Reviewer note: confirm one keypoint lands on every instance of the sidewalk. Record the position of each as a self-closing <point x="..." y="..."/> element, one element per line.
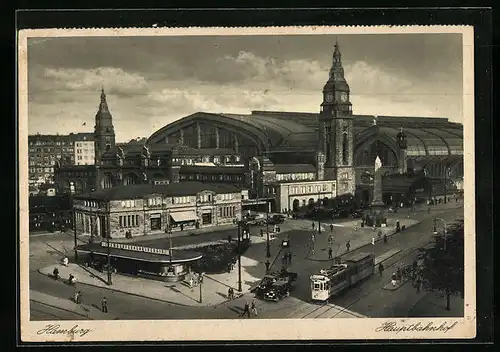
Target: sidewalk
<point x="214" y="288"/>
<point x="433" y="305"/>
<point x="86" y="311"/>
<point x="358" y="238"/>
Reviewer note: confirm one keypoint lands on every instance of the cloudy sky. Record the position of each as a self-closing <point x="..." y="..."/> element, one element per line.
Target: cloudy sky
<point x="152" y="81"/>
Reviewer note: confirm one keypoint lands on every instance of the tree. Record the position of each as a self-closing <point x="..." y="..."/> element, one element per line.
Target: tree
<point x="442" y="267"/>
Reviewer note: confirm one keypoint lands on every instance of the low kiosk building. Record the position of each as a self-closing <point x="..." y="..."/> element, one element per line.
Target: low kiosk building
<point x="148" y="262"/>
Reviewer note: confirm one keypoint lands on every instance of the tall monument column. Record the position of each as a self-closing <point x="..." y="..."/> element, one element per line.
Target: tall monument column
<point x="377" y="207"/>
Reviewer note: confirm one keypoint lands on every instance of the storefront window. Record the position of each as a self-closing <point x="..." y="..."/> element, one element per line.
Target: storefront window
<point x="155" y="222"/>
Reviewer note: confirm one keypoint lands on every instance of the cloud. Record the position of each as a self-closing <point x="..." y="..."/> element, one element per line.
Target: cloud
<point x="142" y="101"/>
<point x="115" y="80"/>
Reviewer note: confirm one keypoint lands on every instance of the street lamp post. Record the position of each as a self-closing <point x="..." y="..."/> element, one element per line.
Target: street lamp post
<point x="445" y="230"/>
<point x="200" y="283"/>
<point x="319" y="215"/>
<point x="268" y="246"/>
<point x="74" y="232"/>
<point x="239" y="255"/>
<point x="446" y="171"/>
<point x="108" y="233"/>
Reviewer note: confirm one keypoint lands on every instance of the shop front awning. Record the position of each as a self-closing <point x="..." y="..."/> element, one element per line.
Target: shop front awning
<point x="184" y="216"/>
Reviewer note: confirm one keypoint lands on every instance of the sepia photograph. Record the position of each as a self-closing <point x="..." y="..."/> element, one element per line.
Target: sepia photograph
<point x="318" y="178"/>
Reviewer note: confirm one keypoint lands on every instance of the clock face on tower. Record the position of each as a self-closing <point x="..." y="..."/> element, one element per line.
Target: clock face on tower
<point x="329" y="97"/>
<point x="343" y="97"/>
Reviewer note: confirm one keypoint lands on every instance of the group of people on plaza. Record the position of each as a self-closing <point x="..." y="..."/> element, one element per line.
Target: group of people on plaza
<point x="404" y="272"/>
<point x="286" y="258"/>
<point x="195" y="279"/>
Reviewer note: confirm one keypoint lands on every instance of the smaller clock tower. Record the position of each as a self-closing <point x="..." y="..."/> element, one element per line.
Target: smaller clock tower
<point x="336" y="128"/>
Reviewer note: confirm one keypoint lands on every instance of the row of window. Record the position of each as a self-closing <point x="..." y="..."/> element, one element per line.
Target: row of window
<point x="181" y="200"/>
<point x="77" y="173"/>
<point x="81" y="157"/>
<point x="129" y="221"/>
<point x="40" y="169"/>
<point x="90" y="203"/>
<point x="203" y="177"/>
<point x="295" y="176"/>
<point x="83" y="144"/>
<point x="206" y="159"/>
<point x="84" y="151"/>
<point x="227" y="196"/>
<point x="227" y="212"/>
<point x="308" y="189"/>
<point x="204" y="198"/>
<point x="49" y="143"/>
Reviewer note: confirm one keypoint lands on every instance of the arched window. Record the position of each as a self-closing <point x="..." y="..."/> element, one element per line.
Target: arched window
<point x="345" y="148"/>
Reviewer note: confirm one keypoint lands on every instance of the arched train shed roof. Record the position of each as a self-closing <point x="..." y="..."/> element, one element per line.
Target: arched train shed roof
<point x="297" y="131"/>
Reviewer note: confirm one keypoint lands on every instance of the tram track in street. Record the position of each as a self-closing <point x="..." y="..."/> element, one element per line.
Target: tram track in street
<point x="356" y="290"/>
<point x="345" y="309"/>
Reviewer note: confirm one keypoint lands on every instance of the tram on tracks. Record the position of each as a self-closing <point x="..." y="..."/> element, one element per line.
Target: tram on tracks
<point x="329" y="282"/>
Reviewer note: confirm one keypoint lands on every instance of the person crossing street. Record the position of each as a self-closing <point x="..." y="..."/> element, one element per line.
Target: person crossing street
<point x="104" y="305"/>
<point x="246" y="310"/>
<point x="253" y="307"/>
<point x="381" y="269"/>
<point x="348" y="245"/>
<point x="330" y="253"/>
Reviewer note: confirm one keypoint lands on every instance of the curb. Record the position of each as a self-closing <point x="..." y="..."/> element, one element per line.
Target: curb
<point x="362" y="246"/>
<point x="64" y="309"/>
<point x="128" y="293"/>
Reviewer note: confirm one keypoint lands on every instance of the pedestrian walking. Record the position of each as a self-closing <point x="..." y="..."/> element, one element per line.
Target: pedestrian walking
<point x="393" y="280"/>
<point x="191" y="282"/>
<point x="313" y="225"/>
<point x="379" y="235"/>
<point x="104" y="305"/>
<point x="267" y="266"/>
<point x="331" y="227"/>
<point x="312" y="238"/>
<point x="253" y="307"/>
<point x="385" y="238"/>
<point x="229" y="293"/>
<point x="330" y="253"/>
<point x="381" y="269"/>
<point x="373" y="240"/>
<point x="246" y="310"/>
<point x="348" y="245"/>
<point x="65" y="261"/>
<point x="229" y="265"/>
<point x="289" y="258"/>
<point x="182" y="227"/>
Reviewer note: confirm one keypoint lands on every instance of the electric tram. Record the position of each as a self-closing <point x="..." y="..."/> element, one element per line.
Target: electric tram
<point x="329" y="282"/>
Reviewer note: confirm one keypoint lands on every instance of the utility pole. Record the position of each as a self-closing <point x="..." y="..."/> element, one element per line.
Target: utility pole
<point x="239" y="256"/>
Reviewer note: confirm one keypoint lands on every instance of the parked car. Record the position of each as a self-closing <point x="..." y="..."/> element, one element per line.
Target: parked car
<point x="278" y="291"/>
<point x="269" y="280"/>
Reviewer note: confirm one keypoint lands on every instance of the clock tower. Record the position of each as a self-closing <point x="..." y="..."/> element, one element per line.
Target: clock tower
<point x="104" y="132"/>
<point x="336" y="128"/>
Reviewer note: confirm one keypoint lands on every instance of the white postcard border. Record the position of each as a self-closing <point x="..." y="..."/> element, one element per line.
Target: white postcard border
<point x="237" y="330"/>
